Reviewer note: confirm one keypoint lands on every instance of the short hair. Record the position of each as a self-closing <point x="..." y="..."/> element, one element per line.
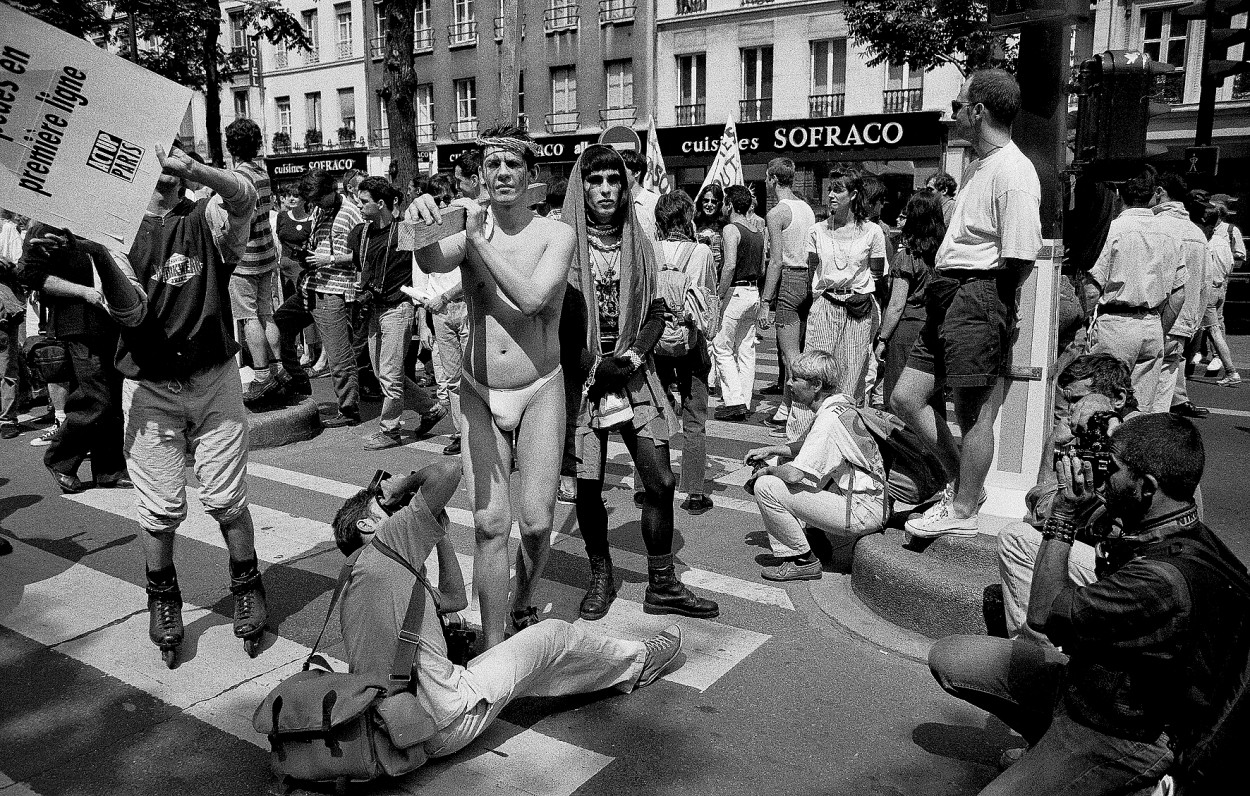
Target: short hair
<point x="739" y="198"/>
<point x="1173" y="185"/>
<point x="1107" y="376"/>
<point x="781" y="169"/>
<point x="1164" y="446"/>
<point x="440" y="186"/>
<point x="598" y="157"/>
<point x="506" y="131"/>
<point x="288" y="189"/>
<point x="944" y="183"/>
<point x="315" y="184"/>
<point x="816" y="366"/>
<point x="346" y="535"/>
<point x="674" y="212"/>
<point x="635" y="162"/>
<point x="243" y="139"/>
<point x="380" y="190"/>
<point x="469" y="162"/>
<point x="1137" y="190"/>
<point x="998" y="91"/>
<point x="350" y="175"/>
<point x="925" y="226"/>
<point x="556" y="191"/>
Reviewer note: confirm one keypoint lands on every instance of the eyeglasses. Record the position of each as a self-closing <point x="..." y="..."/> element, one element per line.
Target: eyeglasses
<point x="598" y="179"/>
<point x="956" y="107"/>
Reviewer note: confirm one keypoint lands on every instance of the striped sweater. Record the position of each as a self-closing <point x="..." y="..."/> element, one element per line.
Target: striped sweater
<point x="329" y="237"/>
<point x="261" y="255"/>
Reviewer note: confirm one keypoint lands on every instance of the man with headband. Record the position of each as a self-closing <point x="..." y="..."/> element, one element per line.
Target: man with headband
<point x="514" y="267"/>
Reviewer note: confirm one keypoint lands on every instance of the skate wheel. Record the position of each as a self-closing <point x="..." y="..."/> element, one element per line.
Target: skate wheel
<point x="252" y="646"/>
<point x="170" y="656"/>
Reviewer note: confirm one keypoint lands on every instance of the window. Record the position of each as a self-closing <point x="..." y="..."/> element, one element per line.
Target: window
<point x="377" y="45"/>
<point x="561" y="15"/>
<point x="620" y="83"/>
<point x="827" y="88"/>
<point x="423" y="30"/>
<point x="904" y="89"/>
<point x="242" y="109"/>
<point x="691" y="88"/>
<point x="757" y="84"/>
<point x="381" y="136"/>
<point x="1163" y="37"/>
<point x="238" y="33"/>
<point x="466" y="99"/>
<point x="463" y="29"/>
<point x="424" y="104"/>
<point x="343" y="29"/>
<point x="312" y="110"/>
<point x="564" y="89"/>
<point x="309" y="19"/>
<point x="462" y="11"/>
<point x="283" y="105"/>
<point x="347" y="107"/>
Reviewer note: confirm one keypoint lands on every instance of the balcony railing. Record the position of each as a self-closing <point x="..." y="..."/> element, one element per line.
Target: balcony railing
<point x="819" y="105"/>
<point x="610" y="116"/>
<point x="312" y="56"/>
<point x="345" y="50"/>
<point x="756" y="2"/>
<point x="462" y="34"/>
<point x="377" y="47"/>
<point x="499" y="28"/>
<point x="563" y="122"/>
<point x="464" y="130"/>
<point x="691" y="6"/>
<point x="691" y="114"/>
<point x="561" y="17"/>
<point x="616" y="12"/>
<point x="422" y="40"/>
<point x="901" y="100"/>
<point x="755" y="110"/>
<point x="379" y="138"/>
<point x="280" y="58"/>
<point x="1170" y="88"/>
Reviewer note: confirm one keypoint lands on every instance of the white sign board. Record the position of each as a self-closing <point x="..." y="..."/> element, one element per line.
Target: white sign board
<point x="78" y="129"/>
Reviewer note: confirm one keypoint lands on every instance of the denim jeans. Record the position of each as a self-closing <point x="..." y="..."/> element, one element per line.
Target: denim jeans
<point x="1018" y="544"/>
<point x="334" y="325"/>
<point x="11" y="339"/>
<point x="390" y="331"/>
<point x="1021" y="683"/>
<point x="786" y="508"/>
<point x="93" y="412"/>
<point x="451" y="335"/>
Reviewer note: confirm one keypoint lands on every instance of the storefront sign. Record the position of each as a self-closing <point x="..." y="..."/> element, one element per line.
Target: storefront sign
<point x="291" y="167"/>
<point x="551" y="149"/>
<point x="798" y="135"/>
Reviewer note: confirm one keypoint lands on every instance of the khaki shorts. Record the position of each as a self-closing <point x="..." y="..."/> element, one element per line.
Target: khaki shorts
<point x="251" y="296"/>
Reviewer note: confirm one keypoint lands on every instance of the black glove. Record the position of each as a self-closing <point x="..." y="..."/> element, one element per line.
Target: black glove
<point x="612" y="375"/>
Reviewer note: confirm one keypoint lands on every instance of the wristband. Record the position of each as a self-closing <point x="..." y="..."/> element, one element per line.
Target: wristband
<point x="1059" y="529"/>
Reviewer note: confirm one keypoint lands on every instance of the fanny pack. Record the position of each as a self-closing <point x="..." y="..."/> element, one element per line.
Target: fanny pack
<point x="858" y="305"/>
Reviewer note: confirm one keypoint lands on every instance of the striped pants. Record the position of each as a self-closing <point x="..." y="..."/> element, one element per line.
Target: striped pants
<point x="849" y="340"/>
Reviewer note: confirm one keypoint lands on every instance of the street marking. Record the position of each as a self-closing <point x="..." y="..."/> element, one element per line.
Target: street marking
<point x="713" y="581"/>
<point x="217" y="683"/>
<point x="10" y="788"/>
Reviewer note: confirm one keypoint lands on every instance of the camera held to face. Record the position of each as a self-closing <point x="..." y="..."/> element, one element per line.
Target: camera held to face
<point x="1092" y="443"/>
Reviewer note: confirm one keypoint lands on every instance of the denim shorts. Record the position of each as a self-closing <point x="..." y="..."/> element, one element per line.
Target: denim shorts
<point x="966" y="340"/>
<point x="794" y="295"/>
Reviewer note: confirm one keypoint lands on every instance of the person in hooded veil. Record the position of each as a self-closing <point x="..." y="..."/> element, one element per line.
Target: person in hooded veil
<point x="610" y="323"/>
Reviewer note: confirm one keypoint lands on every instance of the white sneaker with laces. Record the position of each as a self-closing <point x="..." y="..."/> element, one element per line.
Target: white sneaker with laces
<point x="1214" y="366"/>
<point x="944" y="523"/>
<point x="948" y="495"/>
<point x="1231" y="380"/>
<point x="45" y="439"/>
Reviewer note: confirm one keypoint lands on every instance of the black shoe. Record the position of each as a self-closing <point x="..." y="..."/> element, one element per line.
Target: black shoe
<point x="297" y="386"/>
<point x="640" y="499"/>
<point x="602" y="590"/>
<point x="258" y="390"/>
<point x="668" y="595"/>
<point x="115" y="482"/>
<point x="697" y="504"/>
<point x="5" y="546"/>
<point x="453" y="447"/>
<point x="68" y="483"/>
<point x="429" y="420"/>
<point x="370" y="393"/>
<point x="1189" y="409"/>
<point x="730" y="413"/>
<point x="773" y="389"/>
<point x="9" y="430"/>
<point x="340" y="420"/>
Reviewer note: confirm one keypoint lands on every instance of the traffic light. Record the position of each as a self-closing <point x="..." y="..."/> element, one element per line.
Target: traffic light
<point x="1115" y="91"/>
<point x="1220" y="35"/>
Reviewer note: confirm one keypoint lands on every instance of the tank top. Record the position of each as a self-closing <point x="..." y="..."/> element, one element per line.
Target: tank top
<point x="749" y="266"/>
<point x="794" y="236"/>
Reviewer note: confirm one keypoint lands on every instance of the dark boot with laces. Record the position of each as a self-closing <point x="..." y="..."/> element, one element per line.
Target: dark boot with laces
<point x="602" y="590"/>
<point x="250" y="614"/>
<point x="668" y="595"/>
<point x="165" y="613"/>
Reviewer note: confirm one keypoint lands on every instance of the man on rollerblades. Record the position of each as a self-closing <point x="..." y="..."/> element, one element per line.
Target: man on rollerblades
<point x="182" y="392"/>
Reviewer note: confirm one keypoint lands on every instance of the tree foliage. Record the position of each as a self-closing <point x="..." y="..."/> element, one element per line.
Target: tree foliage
<point x="925" y="34"/>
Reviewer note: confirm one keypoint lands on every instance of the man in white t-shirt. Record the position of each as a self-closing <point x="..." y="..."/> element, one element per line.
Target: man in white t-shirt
<point x="994" y="236"/>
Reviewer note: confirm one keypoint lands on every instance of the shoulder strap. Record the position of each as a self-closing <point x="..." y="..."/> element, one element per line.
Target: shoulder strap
<point x="344" y="573"/>
<point x="406" y="652"/>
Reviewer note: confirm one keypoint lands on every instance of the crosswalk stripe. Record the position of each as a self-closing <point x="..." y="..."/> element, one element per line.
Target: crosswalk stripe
<point x="714" y="647"/>
<point x="713" y="581"/>
<point x="72" y="609"/>
<point x="10" y="788"/>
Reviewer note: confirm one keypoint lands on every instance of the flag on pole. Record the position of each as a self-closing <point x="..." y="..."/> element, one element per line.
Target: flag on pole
<point x="726" y="168"/>
<point x="656" y="178"/>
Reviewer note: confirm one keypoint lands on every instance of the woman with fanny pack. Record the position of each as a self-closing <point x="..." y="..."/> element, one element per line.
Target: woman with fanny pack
<point x="844" y="251"/>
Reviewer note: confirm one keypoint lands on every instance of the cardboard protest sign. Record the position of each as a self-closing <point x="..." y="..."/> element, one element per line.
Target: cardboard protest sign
<point x="414" y="235"/>
<point x="78" y="128"/>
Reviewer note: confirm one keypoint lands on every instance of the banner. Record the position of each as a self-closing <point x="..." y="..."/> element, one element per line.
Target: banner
<point x="726" y="169"/>
<point x="656" y="178"/>
<point x="78" y="129"/>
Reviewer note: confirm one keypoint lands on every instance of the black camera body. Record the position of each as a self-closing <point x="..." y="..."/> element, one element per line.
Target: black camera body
<point x="1092" y="444"/>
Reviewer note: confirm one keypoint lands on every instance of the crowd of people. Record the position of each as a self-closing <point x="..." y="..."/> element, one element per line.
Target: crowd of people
<point x="605" y="310"/>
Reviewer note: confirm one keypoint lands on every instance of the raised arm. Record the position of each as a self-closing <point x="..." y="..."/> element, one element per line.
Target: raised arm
<point x="531" y="293"/>
<point x="443" y="256"/>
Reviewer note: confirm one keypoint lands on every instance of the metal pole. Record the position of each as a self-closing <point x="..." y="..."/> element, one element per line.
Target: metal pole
<point x="134" y="38"/>
<point x="1040" y="129"/>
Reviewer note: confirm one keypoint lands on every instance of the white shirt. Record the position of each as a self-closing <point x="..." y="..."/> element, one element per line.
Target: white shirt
<point x="1221" y="249"/>
<point x="844" y="254"/>
<point x="831" y="455"/>
<point x="432" y="285"/>
<point x="996" y="214"/>
<point x="1142" y="261"/>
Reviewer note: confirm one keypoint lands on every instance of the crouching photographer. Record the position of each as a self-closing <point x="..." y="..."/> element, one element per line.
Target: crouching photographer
<point x="388" y="531"/>
<point x="1151" y="678"/>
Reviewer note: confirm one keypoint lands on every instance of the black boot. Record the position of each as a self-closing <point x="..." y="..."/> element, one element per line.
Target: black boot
<point x="165" y="613"/>
<point x="602" y="589"/>
<point x="250" y="614"/>
<point x="668" y="595"/>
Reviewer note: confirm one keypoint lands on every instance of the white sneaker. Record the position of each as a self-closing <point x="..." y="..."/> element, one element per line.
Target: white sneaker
<point x="1197" y="359"/>
<point x="942" y="524"/>
<point x="948" y="495"/>
<point x="1214" y="366"/>
<point x="45" y="439"/>
<point x="781" y="415"/>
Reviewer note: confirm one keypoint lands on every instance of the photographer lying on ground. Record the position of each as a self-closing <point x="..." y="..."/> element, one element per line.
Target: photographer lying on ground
<point x="404" y="518"/>
<point x="1154" y="650"/>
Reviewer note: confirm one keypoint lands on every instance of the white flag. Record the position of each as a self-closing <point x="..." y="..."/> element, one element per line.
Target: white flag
<point x="727" y="167"/>
<point x="656" y="178"/>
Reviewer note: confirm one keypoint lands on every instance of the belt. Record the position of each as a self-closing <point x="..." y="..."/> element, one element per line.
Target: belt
<point x="839" y="291"/>
<point x="1125" y="310"/>
<point x="745" y="283"/>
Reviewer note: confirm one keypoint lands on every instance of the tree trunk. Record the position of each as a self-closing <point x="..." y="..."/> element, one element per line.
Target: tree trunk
<point x="400" y="87"/>
<point x="212" y="91"/>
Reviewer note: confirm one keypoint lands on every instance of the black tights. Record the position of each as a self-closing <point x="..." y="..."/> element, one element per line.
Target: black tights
<point x="651" y="460"/>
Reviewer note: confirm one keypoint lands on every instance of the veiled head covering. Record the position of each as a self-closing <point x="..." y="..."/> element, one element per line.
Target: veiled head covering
<point x="638" y="259"/>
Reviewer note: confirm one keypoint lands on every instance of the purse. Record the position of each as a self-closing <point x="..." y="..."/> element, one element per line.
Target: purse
<point x="331" y="727"/>
<point x="612" y="411"/>
<point x="48" y="356"/>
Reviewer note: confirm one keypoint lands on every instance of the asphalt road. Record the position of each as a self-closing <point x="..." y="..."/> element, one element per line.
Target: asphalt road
<point x="773" y="695"/>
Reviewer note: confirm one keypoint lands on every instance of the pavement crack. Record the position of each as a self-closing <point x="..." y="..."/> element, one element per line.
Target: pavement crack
<point x="104" y="626"/>
<point x="234" y="686"/>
